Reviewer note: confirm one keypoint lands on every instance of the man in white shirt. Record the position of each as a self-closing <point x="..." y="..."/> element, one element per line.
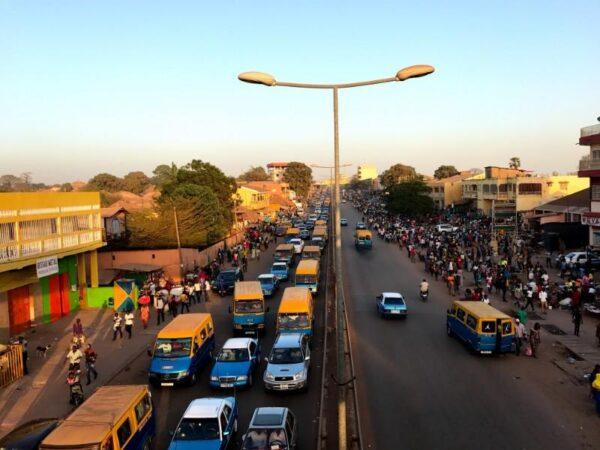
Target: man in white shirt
<point x="543" y="296"/>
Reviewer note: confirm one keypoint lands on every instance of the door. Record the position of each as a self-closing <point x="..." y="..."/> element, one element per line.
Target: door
<point x="64" y="294"/>
<point x="55" y="298"/>
<point x="18" y="309"/>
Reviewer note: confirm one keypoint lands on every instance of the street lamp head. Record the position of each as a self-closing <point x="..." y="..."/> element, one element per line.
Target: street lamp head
<point x="420" y="70"/>
<point x="257" y="78"/>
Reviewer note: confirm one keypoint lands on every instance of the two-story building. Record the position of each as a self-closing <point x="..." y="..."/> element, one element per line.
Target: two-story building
<point x="366" y="172"/>
<point x="589" y="168"/>
<point x="276" y="170"/>
<point x="503" y="187"/>
<point x="48" y="245"/>
<point x="448" y="191"/>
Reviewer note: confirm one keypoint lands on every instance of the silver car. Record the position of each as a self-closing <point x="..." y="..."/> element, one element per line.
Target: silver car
<point x="288" y="364"/>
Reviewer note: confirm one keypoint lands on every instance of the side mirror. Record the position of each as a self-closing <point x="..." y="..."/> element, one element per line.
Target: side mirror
<point x="266" y="359"/>
<point x="229" y="309"/>
<point x="171" y="433"/>
<point x="307" y="358"/>
<point x="268" y="308"/>
<point x="226" y="433"/>
<point x="244" y="437"/>
<point x="149" y="352"/>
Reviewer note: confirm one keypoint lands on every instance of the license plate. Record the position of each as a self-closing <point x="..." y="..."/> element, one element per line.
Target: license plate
<point x="167" y="384"/>
<point x="284" y="387"/>
<point x="226" y="385"/>
<point x="395" y="312"/>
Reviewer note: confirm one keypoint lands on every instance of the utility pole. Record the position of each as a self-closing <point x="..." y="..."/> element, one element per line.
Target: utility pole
<point x="178" y="243"/>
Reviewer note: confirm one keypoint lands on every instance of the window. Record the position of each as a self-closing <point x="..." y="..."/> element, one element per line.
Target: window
<point x="143" y="408"/>
<point x="596" y="192"/>
<point x="31" y="229"/>
<point x="108" y="444"/>
<point x="530" y="188"/>
<point x="460" y="314"/>
<point x="564" y="185"/>
<point x="289" y="425"/>
<point x="549" y="184"/>
<point x="506" y="328"/>
<point x="203" y="334"/>
<point x="471" y="322"/>
<point x="124" y="433"/>
<point x="209" y="327"/>
<point x="227" y="411"/>
<point x="595" y="154"/>
<point x="7" y="232"/>
<point x="486" y="188"/>
<point x="223" y="420"/>
<point x="488" y="326"/>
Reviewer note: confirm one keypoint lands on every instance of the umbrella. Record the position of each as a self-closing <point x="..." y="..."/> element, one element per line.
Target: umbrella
<point x="144" y="300"/>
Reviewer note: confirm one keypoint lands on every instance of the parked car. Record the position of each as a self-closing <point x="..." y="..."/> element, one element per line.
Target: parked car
<point x="577" y="258"/>
<point x="391" y="304"/>
<point x="305" y="234"/>
<point x="28" y="436"/>
<point x="298" y="245"/>
<point x="288" y="364"/>
<point x="224" y="283"/>
<point x="207" y="423"/>
<point x="445" y="228"/>
<point x="236" y="363"/>
<point x="271" y="428"/>
<point x="281" y="270"/>
<point x="344" y="222"/>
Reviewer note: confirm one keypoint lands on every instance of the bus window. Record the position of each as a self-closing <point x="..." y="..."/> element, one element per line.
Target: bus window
<point x="460" y="314"/>
<point x="488" y="326"/>
<point x="142" y="409"/>
<point x="124" y="433"/>
<point x="471" y="322"/>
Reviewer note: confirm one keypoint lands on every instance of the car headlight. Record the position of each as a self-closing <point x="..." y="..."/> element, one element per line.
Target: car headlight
<point x="213" y="378"/>
<point x="242" y="378"/>
<point x="299" y="375"/>
<point x="182" y="374"/>
<point x="269" y="377"/>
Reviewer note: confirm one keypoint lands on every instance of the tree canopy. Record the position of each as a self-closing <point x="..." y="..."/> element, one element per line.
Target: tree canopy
<point x="257" y="173"/>
<point x="299" y="176"/>
<point x="396" y="174"/>
<point x="514" y="162"/>
<point x="409" y="198"/>
<point x="105" y="182"/>
<point x="136" y="182"/>
<point x="445" y="171"/>
<point x="164" y="174"/>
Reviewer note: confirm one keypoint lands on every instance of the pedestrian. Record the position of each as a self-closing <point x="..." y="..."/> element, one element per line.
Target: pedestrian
<point x="519" y="336"/>
<point x="90" y="363"/>
<point x="596" y="391"/>
<point x="24" y="353"/>
<point x="206" y="290"/>
<point x="184" y="301"/>
<point x="160" y="304"/>
<point x="77" y="328"/>
<point x="534" y="339"/>
<point x="117" y="321"/>
<point x="598" y="333"/>
<point x="543" y="296"/>
<point x="129" y="322"/>
<point x="173" y="305"/>
<point x="577" y="320"/>
<point x="145" y="315"/>
<point x="74" y="357"/>
<point x="529" y="296"/>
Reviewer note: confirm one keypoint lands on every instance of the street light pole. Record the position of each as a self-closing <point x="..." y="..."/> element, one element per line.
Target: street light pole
<point x="268" y="80"/>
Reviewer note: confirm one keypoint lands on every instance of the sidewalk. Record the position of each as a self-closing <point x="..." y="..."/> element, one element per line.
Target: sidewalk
<point x="44" y="393"/>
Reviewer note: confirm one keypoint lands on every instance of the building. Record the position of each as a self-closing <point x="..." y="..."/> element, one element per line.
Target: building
<point x="589" y="168"/>
<point x="46" y="240"/>
<point x="503" y="188"/>
<point x="276" y="170"/>
<point x="114" y="222"/>
<point x="366" y="172"/>
<point x="447" y="192"/>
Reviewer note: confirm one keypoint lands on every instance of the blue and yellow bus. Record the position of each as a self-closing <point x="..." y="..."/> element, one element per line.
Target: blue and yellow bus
<point x="114" y="417"/>
<point x="307" y="275"/>
<point x="482" y="327"/>
<point x="248" y="308"/>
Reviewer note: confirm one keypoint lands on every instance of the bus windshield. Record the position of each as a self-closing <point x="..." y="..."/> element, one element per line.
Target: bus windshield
<point x="248" y="306"/>
<point x="291" y="321"/>
<point x="173" y="348"/>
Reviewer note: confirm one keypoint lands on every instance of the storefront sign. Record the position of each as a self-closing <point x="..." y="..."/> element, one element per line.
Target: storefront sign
<point x="593" y="221"/>
<point x="46" y="266"/>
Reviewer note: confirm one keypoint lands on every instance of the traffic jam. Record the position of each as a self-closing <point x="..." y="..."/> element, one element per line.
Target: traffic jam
<point x="124" y="416"/>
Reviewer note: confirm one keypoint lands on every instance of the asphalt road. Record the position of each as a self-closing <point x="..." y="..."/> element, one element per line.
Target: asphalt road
<point x="170" y="403"/>
<point x="419" y="389"/>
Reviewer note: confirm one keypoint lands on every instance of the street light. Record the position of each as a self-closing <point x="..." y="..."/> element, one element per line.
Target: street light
<point x="265" y="79"/>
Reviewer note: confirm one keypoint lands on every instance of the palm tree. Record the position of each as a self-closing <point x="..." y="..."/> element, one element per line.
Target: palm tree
<point x="515" y="162"/>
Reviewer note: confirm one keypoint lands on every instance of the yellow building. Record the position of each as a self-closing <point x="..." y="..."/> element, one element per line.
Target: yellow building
<point x="448" y="191"/>
<point x="45" y="240"/>
<point x="366" y="172"/>
<point x="499" y="185"/>
<point x="252" y="198"/>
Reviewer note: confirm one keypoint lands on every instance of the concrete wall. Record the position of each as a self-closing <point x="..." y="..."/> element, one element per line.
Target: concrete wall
<point x="98" y="297"/>
<point x="168" y="259"/>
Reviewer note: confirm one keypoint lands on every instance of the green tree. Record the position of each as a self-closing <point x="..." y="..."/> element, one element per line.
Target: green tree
<point x="514" y="162"/>
<point x="397" y="173"/>
<point x="105" y="182"/>
<point x="257" y="173"/>
<point x="299" y="176"/>
<point x="66" y="187"/>
<point x="360" y="185"/>
<point x="445" y="171"/>
<point x="136" y="182"/>
<point x="409" y="198"/>
<point x="201" y="173"/>
<point x="164" y="174"/>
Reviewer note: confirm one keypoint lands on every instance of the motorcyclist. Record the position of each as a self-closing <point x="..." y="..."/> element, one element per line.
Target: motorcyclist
<point x="424" y="287"/>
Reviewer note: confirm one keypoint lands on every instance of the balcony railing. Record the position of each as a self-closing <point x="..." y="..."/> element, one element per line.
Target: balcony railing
<point x="586" y="163"/>
<point x="590" y="131"/>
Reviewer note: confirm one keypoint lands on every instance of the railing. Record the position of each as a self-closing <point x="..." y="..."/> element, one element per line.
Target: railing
<point x="587" y="163"/>
<point x="11" y="365"/>
<point x="31" y="248"/>
<point x="51" y="244"/>
<point x="9" y="253"/>
<point x="590" y="131"/>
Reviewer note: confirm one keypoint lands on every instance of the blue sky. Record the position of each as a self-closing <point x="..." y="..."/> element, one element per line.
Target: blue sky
<point x="115" y="86"/>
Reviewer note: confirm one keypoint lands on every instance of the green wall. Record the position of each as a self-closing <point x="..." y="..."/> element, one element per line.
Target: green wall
<point x="98" y="297"/>
<point x="45" y="290"/>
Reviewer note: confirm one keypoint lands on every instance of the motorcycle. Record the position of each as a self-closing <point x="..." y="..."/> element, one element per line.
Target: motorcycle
<point x="76" y="395"/>
<point x="424" y="295"/>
